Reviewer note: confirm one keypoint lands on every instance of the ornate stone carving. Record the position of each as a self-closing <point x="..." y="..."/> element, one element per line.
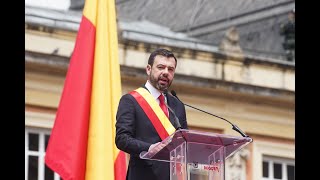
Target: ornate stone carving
<point x="230" y="42"/>
<point x="236" y="165"/>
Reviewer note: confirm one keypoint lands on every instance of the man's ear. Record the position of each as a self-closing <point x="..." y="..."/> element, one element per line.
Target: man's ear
<point x="148" y="69"/>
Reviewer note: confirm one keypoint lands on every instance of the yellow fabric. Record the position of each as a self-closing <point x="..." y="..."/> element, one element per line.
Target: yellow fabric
<point x="157" y="110"/>
<point x="106" y="91"/>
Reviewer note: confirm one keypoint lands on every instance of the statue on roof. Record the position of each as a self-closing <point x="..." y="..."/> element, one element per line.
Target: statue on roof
<point x="288" y="31"/>
<point x="230" y="42"/>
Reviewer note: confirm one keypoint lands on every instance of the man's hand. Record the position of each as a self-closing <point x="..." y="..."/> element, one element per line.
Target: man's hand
<point x="156" y="147"/>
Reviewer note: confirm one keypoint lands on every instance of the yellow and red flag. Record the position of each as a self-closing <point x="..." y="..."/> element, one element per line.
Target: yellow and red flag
<point x="81" y="145"/>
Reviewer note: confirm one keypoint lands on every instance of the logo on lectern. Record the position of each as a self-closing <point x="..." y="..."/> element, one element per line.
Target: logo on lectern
<point x="211" y="168"/>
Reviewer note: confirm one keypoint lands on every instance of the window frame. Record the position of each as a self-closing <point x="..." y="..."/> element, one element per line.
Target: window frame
<point x="41" y="132"/>
<point x="279" y="160"/>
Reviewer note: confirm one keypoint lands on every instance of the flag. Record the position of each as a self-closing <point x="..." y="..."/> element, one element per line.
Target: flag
<point x="81" y="145"/>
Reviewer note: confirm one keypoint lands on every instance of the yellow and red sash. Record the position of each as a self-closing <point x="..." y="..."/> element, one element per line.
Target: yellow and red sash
<point x="153" y="111"/>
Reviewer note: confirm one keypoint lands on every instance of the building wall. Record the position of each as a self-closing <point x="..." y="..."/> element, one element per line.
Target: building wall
<point x="233" y="70"/>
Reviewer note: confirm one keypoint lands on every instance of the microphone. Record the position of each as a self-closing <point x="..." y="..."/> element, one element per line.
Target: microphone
<point x="176" y="119"/>
<point x="234" y="127"/>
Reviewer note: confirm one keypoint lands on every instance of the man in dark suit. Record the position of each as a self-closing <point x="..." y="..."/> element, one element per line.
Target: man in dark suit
<point x="135" y="127"/>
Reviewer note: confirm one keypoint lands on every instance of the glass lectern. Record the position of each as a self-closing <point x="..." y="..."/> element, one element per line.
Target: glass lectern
<point x="195" y="155"/>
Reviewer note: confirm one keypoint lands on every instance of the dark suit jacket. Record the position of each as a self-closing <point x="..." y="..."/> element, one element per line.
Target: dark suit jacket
<point x="135" y="133"/>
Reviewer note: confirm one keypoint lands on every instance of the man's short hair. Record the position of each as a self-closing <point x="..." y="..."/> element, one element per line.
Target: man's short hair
<point x="161" y="52"/>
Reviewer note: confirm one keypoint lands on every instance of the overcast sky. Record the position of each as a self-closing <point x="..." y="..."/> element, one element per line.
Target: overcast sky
<point x="52" y="4"/>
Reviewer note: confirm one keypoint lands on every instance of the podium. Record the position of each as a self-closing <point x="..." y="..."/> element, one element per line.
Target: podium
<point x="196" y="155"/>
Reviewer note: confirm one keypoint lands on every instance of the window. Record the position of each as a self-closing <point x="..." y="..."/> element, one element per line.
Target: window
<point x="274" y="168"/>
<point x="36" y="141"/>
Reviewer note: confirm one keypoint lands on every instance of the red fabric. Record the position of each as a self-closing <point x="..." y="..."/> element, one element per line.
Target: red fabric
<point x="163" y="105"/>
<point x="120" y="169"/>
<point x="179" y="171"/>
<point x="67" y="149"/>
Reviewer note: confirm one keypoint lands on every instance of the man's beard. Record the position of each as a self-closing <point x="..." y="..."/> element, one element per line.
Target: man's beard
<point x="155" y="82"/>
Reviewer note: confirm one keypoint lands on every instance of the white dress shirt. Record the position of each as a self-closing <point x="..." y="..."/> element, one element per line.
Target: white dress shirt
<point x="154" y="92"/>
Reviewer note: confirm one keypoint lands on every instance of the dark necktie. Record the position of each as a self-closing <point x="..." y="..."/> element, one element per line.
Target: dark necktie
<point x="163" y="105"/>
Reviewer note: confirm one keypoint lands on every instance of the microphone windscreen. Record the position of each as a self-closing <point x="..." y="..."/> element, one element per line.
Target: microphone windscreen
<point x="173" y="93"/>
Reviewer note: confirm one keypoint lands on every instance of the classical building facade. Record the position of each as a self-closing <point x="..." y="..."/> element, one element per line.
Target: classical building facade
<point x="257" y="94"/>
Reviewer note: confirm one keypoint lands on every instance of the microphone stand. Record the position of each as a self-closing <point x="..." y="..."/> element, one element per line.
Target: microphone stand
<point x="234" y="127"/>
